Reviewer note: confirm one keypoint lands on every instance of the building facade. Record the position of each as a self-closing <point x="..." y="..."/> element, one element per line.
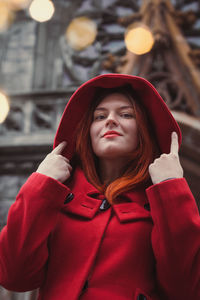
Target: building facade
<point x="40" y="70"/>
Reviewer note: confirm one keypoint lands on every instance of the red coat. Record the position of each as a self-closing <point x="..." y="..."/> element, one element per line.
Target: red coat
<point x="61" y="239"/>
<point x="67" y="246"/>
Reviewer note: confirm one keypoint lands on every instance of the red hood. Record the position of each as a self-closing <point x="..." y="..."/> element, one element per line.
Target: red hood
<point x="162" y="120"/>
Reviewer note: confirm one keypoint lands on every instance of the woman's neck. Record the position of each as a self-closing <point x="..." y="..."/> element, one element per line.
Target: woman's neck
<point x="111" y="169"/>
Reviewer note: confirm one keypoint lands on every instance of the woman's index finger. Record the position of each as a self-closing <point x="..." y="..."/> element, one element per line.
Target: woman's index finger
<point x="174" y="143"/>
<point x="58" y="149"/>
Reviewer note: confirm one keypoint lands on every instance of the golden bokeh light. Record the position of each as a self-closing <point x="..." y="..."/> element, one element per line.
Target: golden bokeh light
<point x="81" y="33"/>
<point x="139" y="39"/>
<point x="41" y="10"/>
<point x="4" y="107"/>
<point x="6" y="16"/>
<point x="19" y="4"/>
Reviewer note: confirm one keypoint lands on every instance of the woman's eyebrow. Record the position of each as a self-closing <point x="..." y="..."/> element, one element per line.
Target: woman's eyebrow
<point x="126" y="106"/>
<point x="100" y="108"/>
<point x="121" y="107"/>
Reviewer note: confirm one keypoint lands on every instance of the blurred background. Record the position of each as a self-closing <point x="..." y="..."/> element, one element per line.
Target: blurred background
<point x="48" y="48"/>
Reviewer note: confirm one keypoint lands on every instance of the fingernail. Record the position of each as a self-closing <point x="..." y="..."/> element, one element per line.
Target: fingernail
<point x="174" y="134"/>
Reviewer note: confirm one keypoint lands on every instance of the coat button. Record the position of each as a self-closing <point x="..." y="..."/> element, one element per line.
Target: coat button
<point x="85" y="287"/>
<point x="147" y="206"/>
<point x="104" y="205"/>
<point x="69" y="198"/>
<point x="141" y="297"/>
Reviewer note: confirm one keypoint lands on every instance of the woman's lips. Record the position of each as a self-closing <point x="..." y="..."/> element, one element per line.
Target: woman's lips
<point x="111" y="134"/>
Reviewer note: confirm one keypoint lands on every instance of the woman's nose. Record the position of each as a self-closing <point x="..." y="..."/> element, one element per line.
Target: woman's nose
<point x="111" y="120"/>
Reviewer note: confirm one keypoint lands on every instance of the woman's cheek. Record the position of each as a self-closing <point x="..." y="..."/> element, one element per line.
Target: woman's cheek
<point x="94" y="136"/>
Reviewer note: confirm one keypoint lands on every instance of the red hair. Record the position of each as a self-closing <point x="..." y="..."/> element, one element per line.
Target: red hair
<point x="137" y="168"/>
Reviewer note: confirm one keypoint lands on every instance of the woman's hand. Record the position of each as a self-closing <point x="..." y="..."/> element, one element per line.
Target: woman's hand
<point x="167" y="165"/>
<point x="55" y="165"/>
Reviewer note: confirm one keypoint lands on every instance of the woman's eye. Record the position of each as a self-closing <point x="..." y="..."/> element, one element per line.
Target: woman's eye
<point x="99" y="117"/>
<point x="127" y="115"/>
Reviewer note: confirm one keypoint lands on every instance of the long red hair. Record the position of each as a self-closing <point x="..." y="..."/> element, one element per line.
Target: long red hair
<point x="137" y="168"/>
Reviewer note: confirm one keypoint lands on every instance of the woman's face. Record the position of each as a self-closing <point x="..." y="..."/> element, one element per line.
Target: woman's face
<point x="114" y="131"/>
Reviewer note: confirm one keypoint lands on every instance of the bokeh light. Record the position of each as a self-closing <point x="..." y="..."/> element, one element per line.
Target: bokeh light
<point x="19" y="4"/>
<point x="6" y="16"/>
<point x="139" y="39"/>
<point x="4" y="107"/>
<point x="41" y="10"/>
<point x="81" y="33"/>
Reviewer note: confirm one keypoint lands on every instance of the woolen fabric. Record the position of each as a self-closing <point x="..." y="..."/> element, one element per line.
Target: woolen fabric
<point x="58" y="238"/>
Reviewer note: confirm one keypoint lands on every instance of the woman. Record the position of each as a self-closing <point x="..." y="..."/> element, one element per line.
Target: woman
<point x="108" y="214"/>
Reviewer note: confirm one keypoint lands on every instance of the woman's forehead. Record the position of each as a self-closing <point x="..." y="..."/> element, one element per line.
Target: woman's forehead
<point x="115" y="98"/>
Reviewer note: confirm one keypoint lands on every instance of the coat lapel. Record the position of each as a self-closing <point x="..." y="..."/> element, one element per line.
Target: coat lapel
<point x="87" y="200"/>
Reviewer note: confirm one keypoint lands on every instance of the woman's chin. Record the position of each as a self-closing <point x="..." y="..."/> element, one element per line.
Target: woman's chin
<point x="111" y="153"/>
